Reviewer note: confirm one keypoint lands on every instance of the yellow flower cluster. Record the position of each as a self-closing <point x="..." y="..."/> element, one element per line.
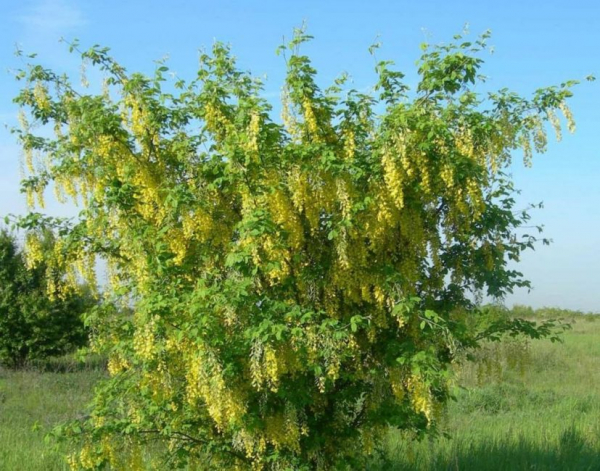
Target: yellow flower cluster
<point x="447" y="176"/>
<point x="224" y="402"/>
<point x="540" y="139"/>
<point x="525" y="144"/>
<point x="310" y="119"/>
<point x="568" y="116"/>
<point x="271" y="368"/>
<point x="282" y="430"/>
<point x="267" y="365"/>
<point x="555" y="124"/>
<point x="421" y="398"/>
<point x="216" y="122"/>
<point x="285" y="215"/>
<point x="87" y="458"/>
<point x="463" y="140"/>
<point x="349" y="144"/>
<point x="29" y="160"/>
<point x="34" y="252"/>
<point x="393" y="178"/>
<point x="178" y="245"/>
<point x="144" y="340"/>
<point x="138" y="120"/>
<point x="117" y="364"/>
<point x="253" y="135"/>
<point x="343" y="197"/>
<point x="23" y="121"/>
<point x="40" y="95"/>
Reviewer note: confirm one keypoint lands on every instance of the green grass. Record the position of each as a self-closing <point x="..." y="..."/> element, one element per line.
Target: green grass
<point x="542" y="413"/>
<point x="32" y="401"/>
<point x="535" y="408"/>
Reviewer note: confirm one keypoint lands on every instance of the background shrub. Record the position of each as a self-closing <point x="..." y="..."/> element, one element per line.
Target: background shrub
<point x="32" y="324"/>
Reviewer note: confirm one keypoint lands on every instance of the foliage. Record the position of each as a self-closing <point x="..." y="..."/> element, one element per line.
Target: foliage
<point x="495" y="322"/>
<point x="32" y="325"/>
<point x="298" y="288"/>
<point x="551" y="312"/>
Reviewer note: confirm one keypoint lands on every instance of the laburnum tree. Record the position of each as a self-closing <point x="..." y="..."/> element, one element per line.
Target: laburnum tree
<point x="293" y="288"/>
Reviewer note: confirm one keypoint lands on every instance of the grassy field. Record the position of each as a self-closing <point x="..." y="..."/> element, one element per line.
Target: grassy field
<point x="32" y="401"/>
<point x="539" y="411"/>
<point x="530" y="407"/>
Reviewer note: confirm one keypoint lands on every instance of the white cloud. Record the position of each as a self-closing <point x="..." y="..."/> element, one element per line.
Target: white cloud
<point x="52" y="17"/>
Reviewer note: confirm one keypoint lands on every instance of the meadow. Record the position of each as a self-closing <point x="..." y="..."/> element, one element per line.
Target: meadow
<point x="523" y="406"/>
<point x="535" y="406"/>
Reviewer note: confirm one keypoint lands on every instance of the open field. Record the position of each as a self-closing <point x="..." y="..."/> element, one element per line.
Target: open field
<point x="31" y="403"/>
<point x="536" y="409"/>
<point x="542" y="413"/>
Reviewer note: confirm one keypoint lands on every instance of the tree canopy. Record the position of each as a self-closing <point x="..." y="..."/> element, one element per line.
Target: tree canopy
<point x="298" y="286"/>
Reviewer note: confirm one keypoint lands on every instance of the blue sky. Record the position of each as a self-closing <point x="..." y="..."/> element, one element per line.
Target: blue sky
<point x="536" y="44"/>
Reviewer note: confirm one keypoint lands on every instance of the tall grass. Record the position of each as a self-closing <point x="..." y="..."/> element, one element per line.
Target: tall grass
<point x="540" y="412"/>
<point x="32" y="402"/>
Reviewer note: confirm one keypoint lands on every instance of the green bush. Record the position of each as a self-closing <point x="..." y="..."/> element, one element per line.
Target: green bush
<point x="32" y="325"/>
<point x="297" y="287"/>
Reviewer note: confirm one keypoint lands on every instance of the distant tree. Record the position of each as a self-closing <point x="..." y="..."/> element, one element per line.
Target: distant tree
<point x="297" y="288"/>
<point x="32" y="325"/>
